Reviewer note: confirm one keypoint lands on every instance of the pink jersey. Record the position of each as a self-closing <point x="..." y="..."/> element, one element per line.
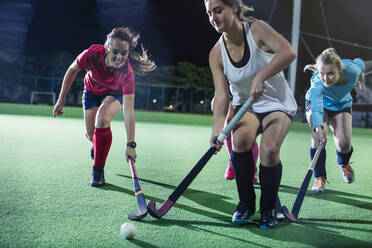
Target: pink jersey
<point x="99" y="80"/>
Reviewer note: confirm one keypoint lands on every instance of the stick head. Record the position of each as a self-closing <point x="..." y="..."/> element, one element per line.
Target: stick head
<point x="152" y="210"/>
<point x="133" y="216"/>
<point x="288" y="215"/>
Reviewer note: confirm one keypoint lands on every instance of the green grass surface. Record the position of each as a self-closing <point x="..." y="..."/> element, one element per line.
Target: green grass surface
<point x="46" y="199"/>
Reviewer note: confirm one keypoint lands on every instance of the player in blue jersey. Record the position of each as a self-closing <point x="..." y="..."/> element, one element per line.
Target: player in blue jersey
<point x="328" y="102"/>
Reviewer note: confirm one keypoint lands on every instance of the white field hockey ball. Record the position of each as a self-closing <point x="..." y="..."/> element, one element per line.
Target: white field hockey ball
<point x="128" y="230"/>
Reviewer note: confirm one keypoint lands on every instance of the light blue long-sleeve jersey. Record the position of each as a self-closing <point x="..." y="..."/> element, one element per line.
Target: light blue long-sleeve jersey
<point x="336" y="97"/>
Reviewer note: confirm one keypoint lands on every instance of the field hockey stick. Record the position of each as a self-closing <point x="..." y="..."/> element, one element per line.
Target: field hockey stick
<point x="141" y="202"/>
<point x="302" y="191"/>
<point x="164" y="208"/>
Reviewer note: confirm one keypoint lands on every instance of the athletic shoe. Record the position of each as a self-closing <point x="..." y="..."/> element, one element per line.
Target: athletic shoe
<point x="242" y="214"/>
<point x="280" y="216"/>
<point x="98" y="177"/>
<point x="268" y="219"/>
<point x="319" y="184"/>
<point x="347" y="173"/>
<point x="92" y="153"/>
<point x="229" y="174"/>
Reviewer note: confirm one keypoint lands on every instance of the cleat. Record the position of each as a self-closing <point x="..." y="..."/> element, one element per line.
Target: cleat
<point x="268" y="219"/>
<point x="319" y="184"/>
<point x="280" y="216"/>
<point x="98" y="177"/>
<point x="229" y="174"/>
<point x="92" y="153"/>
<point x="242" y="214"/>
<point x="347" y="173"/>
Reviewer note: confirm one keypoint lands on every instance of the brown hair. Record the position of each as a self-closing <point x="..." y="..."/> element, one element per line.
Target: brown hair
<point x="242" y="9"/>
<point x="139" y="61"/>
<point x="328" y="56"/>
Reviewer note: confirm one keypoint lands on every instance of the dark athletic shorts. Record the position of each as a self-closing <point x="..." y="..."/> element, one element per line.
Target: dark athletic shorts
<point x="90" y="100"/>
<point x="327" y="113"/>
<point x="262" y="116"/>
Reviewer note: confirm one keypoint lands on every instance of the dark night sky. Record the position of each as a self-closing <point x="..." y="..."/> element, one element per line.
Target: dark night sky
<point x="172" y="30"/>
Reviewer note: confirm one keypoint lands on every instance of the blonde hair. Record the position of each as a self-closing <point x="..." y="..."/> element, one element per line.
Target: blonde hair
<point x="328" y="56"/>
<point x="242" y="9"/>
<point x="139" y="61"/>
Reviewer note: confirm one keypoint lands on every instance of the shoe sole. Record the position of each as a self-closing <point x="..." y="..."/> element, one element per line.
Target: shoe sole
<point x="97" y="185"/>
<point x="240" y="221"/>
<point x="317" y="191"/>
<point x="349" y="181"/>
<point x="268" y="227"/>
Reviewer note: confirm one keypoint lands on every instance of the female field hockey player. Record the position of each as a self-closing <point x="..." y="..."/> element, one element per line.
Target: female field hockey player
<point x="241" y="61"/>
<point x="328" y="101"/>
<point x="108" y="87"/>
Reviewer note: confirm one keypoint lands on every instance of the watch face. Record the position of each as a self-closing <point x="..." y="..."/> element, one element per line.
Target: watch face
<point x="132" y="144"/>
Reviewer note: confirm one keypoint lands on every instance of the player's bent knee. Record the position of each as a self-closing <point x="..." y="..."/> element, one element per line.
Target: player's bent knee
<point x="344" y="147"/>
<point x="270" y="153"/>
<point x="242" y="145"/>
<point x="103" y="122"/>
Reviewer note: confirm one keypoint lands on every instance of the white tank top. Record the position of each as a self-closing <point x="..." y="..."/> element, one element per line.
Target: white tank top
<point x="277" y="94"/>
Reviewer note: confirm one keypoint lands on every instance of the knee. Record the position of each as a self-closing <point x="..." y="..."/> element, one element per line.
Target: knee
<point x="102" y="121"/>
<point x="344" y="146"/>
<point x="242" y="144"/>
<point x="270" y="152"/>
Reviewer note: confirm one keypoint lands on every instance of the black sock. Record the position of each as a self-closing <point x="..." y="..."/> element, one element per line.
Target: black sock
<point x="243" y="166"/>
<point x="320" y="169"/>
<point x="344" y="158"/>
<point x="270" y="178"/>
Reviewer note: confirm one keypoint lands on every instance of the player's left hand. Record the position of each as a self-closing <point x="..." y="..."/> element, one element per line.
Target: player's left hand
<point x="131" y="153"/>
<point x="361" y="80"/>
<point x="257" y="89"/>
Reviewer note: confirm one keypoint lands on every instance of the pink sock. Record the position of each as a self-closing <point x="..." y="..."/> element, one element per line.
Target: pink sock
<point x="255" y="152"/>
<point x="102" y="139"/>
<point x="228" y="145"/>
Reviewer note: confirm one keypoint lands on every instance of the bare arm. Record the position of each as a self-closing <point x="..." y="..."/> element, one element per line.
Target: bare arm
<point x="221" y="94"/>
<point x="68" y="79"/>
<point x="129" y="121"/>
<point x="367" y="68"/>
<point x="265" y="36"/>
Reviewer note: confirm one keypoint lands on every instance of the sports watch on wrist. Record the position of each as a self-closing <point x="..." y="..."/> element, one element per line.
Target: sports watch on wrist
<point x="132" y="144"/>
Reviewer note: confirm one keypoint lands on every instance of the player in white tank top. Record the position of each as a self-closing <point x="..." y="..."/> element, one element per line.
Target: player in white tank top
<point x="260" y="78"/>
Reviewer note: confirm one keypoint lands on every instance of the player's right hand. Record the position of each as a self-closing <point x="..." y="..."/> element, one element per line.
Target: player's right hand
<point x="58" y="108"/>
<point x="320" y="137"/>
<point x="212" y="142"/>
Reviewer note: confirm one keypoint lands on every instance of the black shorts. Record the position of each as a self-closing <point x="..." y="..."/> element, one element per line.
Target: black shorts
<point x="328" y="113"/>
<point x="90" y="100"/>
<point x="261" y="116"/>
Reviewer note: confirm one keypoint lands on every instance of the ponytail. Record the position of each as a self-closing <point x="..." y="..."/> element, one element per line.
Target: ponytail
<point x="328" y="56"/>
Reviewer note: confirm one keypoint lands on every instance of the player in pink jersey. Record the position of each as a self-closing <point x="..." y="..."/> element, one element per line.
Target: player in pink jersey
<point x="108" y="87"/>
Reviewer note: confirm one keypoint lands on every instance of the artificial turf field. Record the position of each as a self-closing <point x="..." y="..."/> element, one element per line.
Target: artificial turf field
<point x="46" y="199"/>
